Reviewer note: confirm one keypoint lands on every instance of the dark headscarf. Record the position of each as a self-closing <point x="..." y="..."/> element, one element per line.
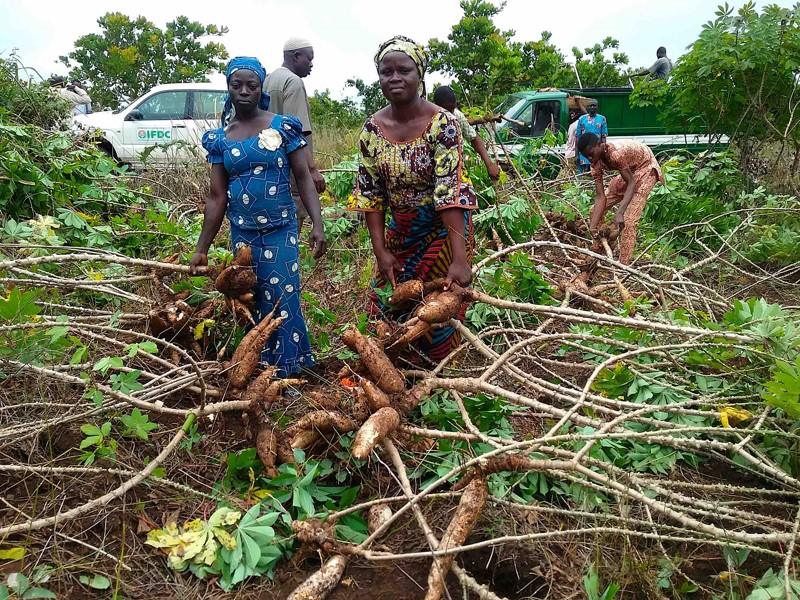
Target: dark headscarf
<point x="410" y="48"/>
<point x="251" y="64"/>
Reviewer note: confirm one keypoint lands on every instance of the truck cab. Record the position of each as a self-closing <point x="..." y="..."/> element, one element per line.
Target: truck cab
<point x="170" y="120"/>
<point x="531" y="113"/>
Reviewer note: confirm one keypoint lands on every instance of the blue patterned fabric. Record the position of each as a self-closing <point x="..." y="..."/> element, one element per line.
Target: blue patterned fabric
<point x="259" y="196"/>
<point x="263" y="215"/>
<point x="586" y="124"/>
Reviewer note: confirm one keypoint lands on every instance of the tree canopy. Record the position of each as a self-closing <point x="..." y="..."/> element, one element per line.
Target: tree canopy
<point x="740" y="78"/>
<point x="130" y="56"/>
<point x="487" y="64"/>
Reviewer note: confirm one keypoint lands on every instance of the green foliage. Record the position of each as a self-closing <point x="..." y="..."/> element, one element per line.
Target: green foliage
<point x="130" y="56"/>
<point x="649" y="92"/>
<point x="739" y="78"/>
<point x="97" y="443"/>
<point x="327" y="113"/>
<point x="96" y="582"/>
<point x="783" y="390"/>
<point x="26" y="588"/>
<point x="514" y="221"/>
<point x="591" y="585"/>
<point x="370" y="96"/>
<point x="772" y="586"/>
<point x="478" y="55"/>
<point x="341" y="180"/>
<point x="255" y="551"/>
<point x="29" y="104"/>
<point x="769" y="322"/>
<point x="42" y="171"/>
<point x="299" y="483"/>
<point x="487" y="65"/>
<point x="137" y="425"/>
<point x="516" y="279"/>
<point x="694" y="191"/>
<point x="320" y="322"/>
<point x="595" y="69"/>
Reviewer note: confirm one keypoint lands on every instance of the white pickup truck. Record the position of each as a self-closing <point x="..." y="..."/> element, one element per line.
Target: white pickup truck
<point x="172" y="117"/>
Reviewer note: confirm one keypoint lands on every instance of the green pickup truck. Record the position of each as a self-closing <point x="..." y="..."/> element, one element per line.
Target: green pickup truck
<point x="530" y="114"/>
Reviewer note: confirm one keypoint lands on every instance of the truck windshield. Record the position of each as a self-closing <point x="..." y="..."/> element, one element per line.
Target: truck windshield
<point x="510" y="107"/>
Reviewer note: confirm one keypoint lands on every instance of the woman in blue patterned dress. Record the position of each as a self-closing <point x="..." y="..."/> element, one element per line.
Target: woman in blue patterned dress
<point x="250" y="159"/>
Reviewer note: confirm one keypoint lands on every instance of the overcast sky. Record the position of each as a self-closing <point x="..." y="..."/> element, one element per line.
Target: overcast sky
<point x="346" y="33"/>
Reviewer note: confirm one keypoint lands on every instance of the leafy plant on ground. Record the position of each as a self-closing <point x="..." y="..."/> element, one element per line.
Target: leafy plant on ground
<point x="25" y="588"/>
<point x="592" y="586"/>
<point x="97" y="444"/>
<point x="137" y="425"/>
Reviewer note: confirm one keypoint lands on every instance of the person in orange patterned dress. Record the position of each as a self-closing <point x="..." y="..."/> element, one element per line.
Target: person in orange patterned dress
<point x="638" y="174"/>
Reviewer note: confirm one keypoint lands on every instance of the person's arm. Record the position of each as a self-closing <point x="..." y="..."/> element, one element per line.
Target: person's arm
<point x="604" y="131"/>
<point x="84" y="94"/>
<point x="216" y="203"/>
<point x="491" y="167"/>
<point x="630" y="190"/>
<point x="316" y="177"/>
<point x="451" y="199"/>
<point x="308" y="196"/>
<point x="653" y="68"/>
<point x="459" y="271"/>
<point x="388" y="265"/>
<point x="369" y="198"/>
<point x="599" y="208"/>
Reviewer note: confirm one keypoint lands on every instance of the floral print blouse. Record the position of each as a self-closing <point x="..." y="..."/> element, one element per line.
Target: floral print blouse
<point x="406" y="175"/>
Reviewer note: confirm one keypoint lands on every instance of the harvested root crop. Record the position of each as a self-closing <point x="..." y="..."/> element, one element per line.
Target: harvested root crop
<point x="462" y="524"/>
<point x="377" y="516"/>
<point x="383" y="372"/>
<point x="375" y="397"/>
<point x="267" y="447"/>
<point x="305" y="438"/>
<point x="377" y="427"/>
<point x="257" y="390"/>
<point x="441" y="308"/>
<point x="244" y="257"/>
<point x="275" y="390"/>
<point x="324" y="421"/>
<point x="248" y="353"/>
<point x="235" y="281"/>
<point x="323" y="582"/>
<point x="406" y="292"/>
<point x="413" y="332"/>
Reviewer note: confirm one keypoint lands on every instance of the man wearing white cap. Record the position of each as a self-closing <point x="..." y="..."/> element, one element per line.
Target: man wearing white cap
<point x="287" y="96"/>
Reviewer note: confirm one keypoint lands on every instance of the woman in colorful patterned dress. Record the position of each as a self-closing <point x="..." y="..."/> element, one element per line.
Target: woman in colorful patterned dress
<point x="410" y="165"/>
<point x="250" y="159"/>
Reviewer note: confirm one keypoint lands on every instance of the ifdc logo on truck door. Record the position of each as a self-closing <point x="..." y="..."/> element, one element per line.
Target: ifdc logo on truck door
<point x="154" y="134"/>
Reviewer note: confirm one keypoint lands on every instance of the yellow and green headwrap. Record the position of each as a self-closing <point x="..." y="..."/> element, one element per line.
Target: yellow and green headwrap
<point x="410" y="48"/>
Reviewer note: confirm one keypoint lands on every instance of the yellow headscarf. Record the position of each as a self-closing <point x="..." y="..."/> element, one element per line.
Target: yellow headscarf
<point x="410" y="48"/>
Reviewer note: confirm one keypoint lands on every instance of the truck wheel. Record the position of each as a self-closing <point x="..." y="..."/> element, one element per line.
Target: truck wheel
<point x="106" y="147"/>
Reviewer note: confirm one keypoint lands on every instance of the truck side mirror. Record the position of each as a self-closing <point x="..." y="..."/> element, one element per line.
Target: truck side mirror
<point x="134" y="115"/>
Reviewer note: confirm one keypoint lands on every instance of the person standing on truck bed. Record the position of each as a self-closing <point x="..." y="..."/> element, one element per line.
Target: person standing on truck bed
<point x="287" y="96"/>
<point x="445" y="97"/>
<point x="638" y="174"/>
<point x="660" y="69"/>
<point x="590" y="123"/>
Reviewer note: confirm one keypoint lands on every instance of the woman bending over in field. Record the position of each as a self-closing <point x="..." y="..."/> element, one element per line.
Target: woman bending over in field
<point x="628" y="191"/>
<point x="410" y="165"/>
<point x="250" y="161"/>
